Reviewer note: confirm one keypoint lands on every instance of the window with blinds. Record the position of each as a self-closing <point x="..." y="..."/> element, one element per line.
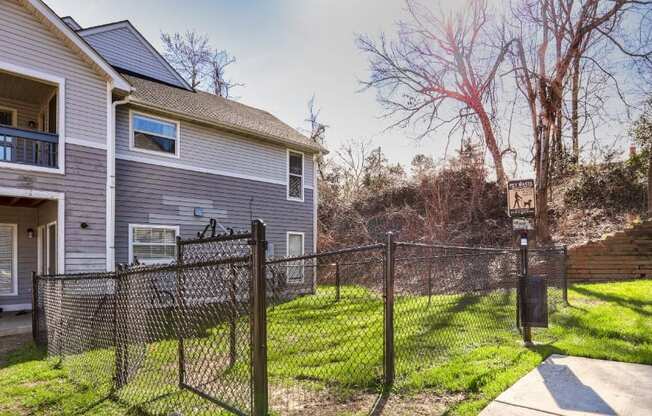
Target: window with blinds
<point x="8" y="259"/>
<point x="151" y="245"/>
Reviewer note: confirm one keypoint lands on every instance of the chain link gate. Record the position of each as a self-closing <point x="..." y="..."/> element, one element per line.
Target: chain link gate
<point x="213" y="285"/>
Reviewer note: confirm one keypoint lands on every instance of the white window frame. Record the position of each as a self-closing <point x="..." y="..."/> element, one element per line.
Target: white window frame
<point x="303" y="252"/>
<point x="14" y="115"/>
<point x="14" y="261"/>
<point x="60" y="84"/>
<point x="303" y="176"/>
<point x="132" y="140"/>
<point x="131" y="239"/>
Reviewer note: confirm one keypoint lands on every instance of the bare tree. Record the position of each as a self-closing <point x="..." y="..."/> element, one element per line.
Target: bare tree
<point x="317" y="133"/>
<point x="440" y="59"/>
<point x="203" y="66"/>
<point x="217" y="63"/>
<point x="551" y="35"/>
<point x="642" y="133"/>
<point x="353" y="158"/>
<point x="189" y="53"/>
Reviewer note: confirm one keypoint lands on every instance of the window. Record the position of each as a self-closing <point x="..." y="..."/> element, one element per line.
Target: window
<point x="295" y="248"/>
<point x="7" y="117"/>
<point x="8" y="259"/>
<point x="295" y="176"/>
<point x="150" y="244"/>
<point x="154" y="135"/>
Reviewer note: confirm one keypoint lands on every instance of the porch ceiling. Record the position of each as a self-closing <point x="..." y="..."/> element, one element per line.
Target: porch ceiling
<point x="24" y="89"/>
<point x="11" y="201"/>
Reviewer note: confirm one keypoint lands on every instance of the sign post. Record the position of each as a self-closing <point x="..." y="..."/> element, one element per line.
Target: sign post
<point x="521" y="207"/>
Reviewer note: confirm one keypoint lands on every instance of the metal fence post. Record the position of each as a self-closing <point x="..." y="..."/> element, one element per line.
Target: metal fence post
<point x="565" y="277"/>
<point x="259" y="319"/>
<point x="35" y="311"/>
<point x="527" y="332"/>
<point x="337" y="282"/>
<point x="180" y="321"/>
<point x="120" y="377"/>
<point x="233" y="354"/>
<point x="389" y="311"/>
<point x="430" y="266"/>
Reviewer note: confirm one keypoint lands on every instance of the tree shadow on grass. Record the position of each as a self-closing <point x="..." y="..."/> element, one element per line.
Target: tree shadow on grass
<point x="633" y="304"/>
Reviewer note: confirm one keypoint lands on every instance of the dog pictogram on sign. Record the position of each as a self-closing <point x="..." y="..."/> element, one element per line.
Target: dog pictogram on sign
<point x="520" y="197"/>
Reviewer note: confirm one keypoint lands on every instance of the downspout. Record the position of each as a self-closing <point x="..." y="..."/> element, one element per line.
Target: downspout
<point x="110" y="179"/>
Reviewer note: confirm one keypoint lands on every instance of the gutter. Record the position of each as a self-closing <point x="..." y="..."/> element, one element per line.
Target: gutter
<point x="110" y="177"/>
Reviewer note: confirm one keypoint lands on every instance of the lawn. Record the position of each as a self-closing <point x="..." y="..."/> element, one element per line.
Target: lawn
<point x="462" y="348"/>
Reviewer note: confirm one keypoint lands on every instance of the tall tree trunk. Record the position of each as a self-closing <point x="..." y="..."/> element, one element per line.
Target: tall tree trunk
<point x="542" y="165"/>
<point x="492" y="145"/>
<point x="575" y="110"/>
<point x="649" y="184"/>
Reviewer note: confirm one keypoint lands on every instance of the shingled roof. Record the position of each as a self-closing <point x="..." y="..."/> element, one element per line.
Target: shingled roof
<point x="217" y="111"/>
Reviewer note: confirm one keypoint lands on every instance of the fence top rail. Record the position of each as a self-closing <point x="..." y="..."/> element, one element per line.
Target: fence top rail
<point x="326" y="253"/>
<point x="445" y="246"/>
<point x="175" y="267"/>
<point x="218" y="238"/>
<point x="456" y="256"/>
<point x="77" y="276"/>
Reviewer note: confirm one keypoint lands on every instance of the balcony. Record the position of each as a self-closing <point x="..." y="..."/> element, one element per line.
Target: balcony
<point x="28" y="147"/>
<point x="29" y="122"/>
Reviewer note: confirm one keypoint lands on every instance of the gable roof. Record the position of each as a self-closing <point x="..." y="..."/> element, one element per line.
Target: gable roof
<point x="90" y="55"/>
<point x="97" y="36"/>
<point x="217" y="111"/>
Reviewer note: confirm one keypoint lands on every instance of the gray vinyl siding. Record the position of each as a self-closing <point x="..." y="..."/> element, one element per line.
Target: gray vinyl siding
<point x="26" y="112"/>
<point x="149" y="194"/>
<point x="84" y="185"/>
<point x="122" y="48"/>
<point x="47" y="212"/>
<point x="25" y="218"/>
<point x="210" y="148"/>
<point x="28" y="43"/>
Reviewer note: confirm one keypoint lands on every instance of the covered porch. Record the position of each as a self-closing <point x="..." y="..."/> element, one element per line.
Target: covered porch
<point x="29" y="121"/>
<point x="30" y="238"/>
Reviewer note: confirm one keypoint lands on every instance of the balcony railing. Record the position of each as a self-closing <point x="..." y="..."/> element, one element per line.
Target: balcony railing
<point x="28" y="147"/>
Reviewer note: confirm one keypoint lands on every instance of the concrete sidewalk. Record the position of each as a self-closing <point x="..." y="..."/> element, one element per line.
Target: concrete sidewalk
<point x="578" y="386"/>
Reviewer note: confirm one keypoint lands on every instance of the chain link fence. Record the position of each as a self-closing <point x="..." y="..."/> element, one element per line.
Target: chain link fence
<point x="224" y="330"/>
<point x="450" y="301"/>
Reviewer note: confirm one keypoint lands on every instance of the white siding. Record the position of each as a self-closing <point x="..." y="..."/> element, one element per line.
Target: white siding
<point x="211" y="149"/>
<point x="122" y="48"/>
<point x="28" y="43"/>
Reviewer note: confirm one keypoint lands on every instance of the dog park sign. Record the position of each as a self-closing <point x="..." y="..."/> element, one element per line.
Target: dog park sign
<point x="520" y="198"/>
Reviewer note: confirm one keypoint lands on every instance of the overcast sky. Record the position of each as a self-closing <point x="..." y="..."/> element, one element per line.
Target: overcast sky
<point x="286" y="50"/>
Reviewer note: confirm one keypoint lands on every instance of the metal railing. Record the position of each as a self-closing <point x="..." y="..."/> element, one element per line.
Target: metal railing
<point x="28" y="147"/>
<point x="225" y="328"/>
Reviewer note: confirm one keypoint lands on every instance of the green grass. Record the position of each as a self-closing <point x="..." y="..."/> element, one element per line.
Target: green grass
<point x="457" y="346"/>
